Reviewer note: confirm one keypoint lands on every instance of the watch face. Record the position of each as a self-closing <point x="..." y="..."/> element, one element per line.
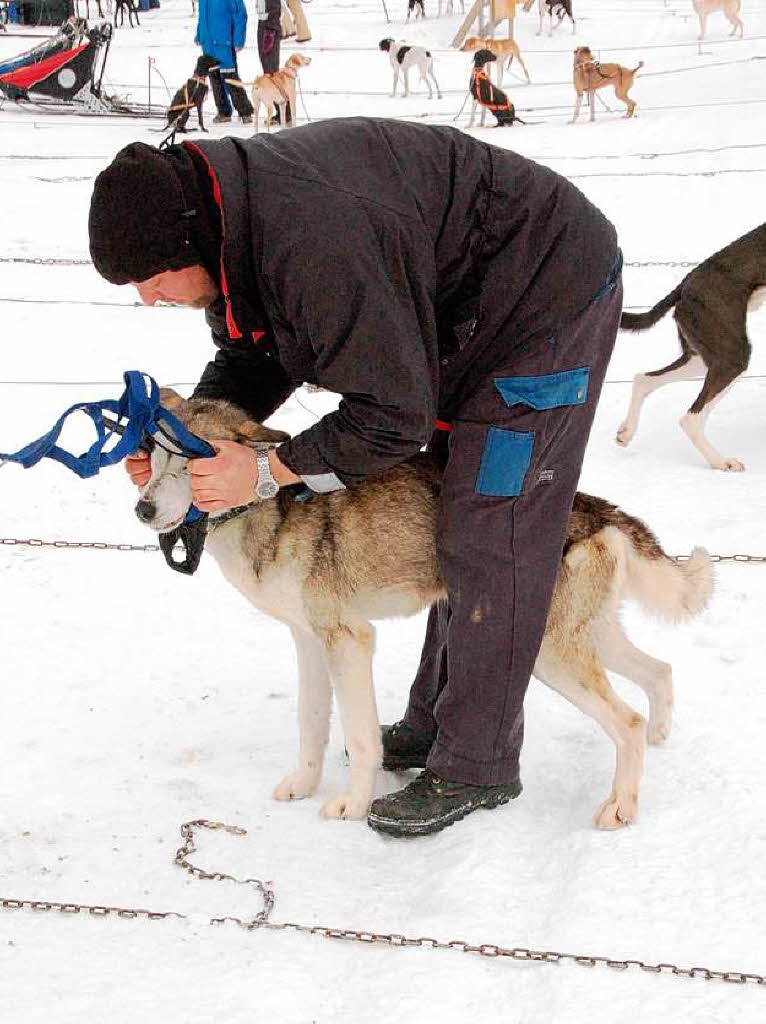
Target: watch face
<point x="267" y="488"/>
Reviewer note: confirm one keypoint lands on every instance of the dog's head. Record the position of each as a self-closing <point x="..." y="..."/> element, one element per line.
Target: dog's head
<point x="165" y="500"/>
<point x="471" y="44"/>
<point x="386" y="44"/>
<point x="582" y="55"/>
<point x="203" y="66"/>
<point x="297" y="61"/>
<point x="483" y="57"/>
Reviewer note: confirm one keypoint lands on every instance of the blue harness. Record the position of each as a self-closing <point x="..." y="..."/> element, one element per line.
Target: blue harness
<point x="146" y="421"/>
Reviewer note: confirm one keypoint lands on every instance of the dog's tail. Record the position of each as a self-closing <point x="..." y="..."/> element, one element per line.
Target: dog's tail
<point x="637" y="67"/>
<point x="672" y="590"/>
<point x="640" y="321"/>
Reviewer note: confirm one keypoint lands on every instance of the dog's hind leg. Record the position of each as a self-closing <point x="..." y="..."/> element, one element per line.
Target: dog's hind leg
<point x="314" y="706"/>
<point x="717" y="383"/>
<point x="654" y="677"/>
<point x="686" y="367"/>
<point x="580" y="678"/>
<point x="433" y="76"/>
<point x="349" y="649"/>
<point x="523" y="67"/>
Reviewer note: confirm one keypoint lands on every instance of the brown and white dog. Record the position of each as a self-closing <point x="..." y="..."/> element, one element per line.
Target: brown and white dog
<point x="710" y="309"/>
<point x="276" y="91"/>
<point x="730" y="8"/>
<point x="589" y="75"/>
<point x="328" y="566"/>
<point x="504" y="49"/>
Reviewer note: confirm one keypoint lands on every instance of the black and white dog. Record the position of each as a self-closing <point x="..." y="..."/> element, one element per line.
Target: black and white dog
<point x="548" y="8"/>
<point x="403" y="58"/>
<point x="418" y="6"/>
<point x="131" y="7"/>
<point x="710" y="308"/>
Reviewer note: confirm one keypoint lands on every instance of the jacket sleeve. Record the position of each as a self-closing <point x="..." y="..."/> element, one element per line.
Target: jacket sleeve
<point x="238" y="23"/>
<point x="250" y="376"/>
<point x="364" y="304"/>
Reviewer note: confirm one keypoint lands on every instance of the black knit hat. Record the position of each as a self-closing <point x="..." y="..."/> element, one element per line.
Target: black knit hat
<point x="139" y="221"/>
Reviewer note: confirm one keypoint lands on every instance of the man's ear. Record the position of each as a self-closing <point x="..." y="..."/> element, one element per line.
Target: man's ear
<point x="170" y="399"/>
<point x="253" y="431"/>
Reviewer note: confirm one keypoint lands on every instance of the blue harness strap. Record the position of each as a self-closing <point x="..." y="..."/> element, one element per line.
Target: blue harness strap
<point x="139" y="406"/>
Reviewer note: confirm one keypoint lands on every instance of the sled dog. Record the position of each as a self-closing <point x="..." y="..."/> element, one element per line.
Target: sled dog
<point x="277" y="91"/>
<point x="588" y="76"/>
<point x="504" y="49"/>
<point x="403" y="58"/>
<point x="328" y="566"/>
<point x="710" y="308"/>
<point x="730" y="8"/>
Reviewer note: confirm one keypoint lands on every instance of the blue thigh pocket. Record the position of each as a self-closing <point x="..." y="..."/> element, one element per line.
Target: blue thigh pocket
<point x="547" y="391"/>
<point x="505" y="462"/>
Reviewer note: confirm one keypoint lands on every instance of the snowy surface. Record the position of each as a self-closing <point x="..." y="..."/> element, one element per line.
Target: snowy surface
<point x="133" y="700"/>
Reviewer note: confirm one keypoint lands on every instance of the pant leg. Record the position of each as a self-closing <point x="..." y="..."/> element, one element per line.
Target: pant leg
<point x="269" y="61"/>
<point x="508" y="489"/>
<point x="220" y="98"/>
<point x="237" y="93"/>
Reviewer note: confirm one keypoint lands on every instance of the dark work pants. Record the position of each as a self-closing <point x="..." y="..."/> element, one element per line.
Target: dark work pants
<point x="515" y="454"/>
<point x="269" y="61"/>
<point x="220" y="78"/>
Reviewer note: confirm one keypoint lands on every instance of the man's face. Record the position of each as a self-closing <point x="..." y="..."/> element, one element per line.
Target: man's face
<point x="192" y="286"/>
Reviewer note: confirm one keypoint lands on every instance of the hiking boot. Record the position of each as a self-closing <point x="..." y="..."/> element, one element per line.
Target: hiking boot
<point x="430" y="803"/>
<point x="222" y="119"/>
<point x="403" y="748"/>
<point x="246" y="119"/>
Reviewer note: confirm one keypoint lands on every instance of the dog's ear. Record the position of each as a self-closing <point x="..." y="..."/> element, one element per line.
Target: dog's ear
<point x="170" y="399"/>
<point x="252" y="431"/>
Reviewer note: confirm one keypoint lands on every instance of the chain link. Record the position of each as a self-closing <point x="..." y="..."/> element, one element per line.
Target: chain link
<point x="34" y="542"/>
<point x="49" y="261"/>
<point x="261" y="920"/>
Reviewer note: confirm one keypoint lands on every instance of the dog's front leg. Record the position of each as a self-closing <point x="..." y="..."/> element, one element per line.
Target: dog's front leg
<point x="314" y="704"/>
<point x="202" y="127"/>
<point x="406" y="76"/>
<point x="396" y="79"/>
<point x="592" y="103"/>
<point x="349" y="650"/>
<point x="578" y="104"/>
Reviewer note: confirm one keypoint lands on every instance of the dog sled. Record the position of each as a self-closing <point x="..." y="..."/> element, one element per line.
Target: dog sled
<point x="66" y="69"/>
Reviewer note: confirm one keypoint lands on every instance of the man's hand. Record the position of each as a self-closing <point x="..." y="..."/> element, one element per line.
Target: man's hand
<point x="226" y="480"/>
<point x="139" y="467"/>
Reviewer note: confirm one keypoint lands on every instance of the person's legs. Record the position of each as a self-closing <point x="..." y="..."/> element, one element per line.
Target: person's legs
<point x="236" y="92"/>
<point x="220" y="97"/>
<point x="515" y="456"/>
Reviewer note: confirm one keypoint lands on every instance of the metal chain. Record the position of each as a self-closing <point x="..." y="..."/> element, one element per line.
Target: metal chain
<point x="261" y="920"/>
<point x="48" y="262"/>
<point x="102" y="546"/>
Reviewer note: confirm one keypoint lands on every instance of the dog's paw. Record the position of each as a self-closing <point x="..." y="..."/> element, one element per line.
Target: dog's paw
<point x="297" y="785"/>
<point x="345" y="806"/>
<point x="658" y="732"/>
<point x="624" y="435"/>
<point x="729" y="465"/>
<point x="616" y="812"/>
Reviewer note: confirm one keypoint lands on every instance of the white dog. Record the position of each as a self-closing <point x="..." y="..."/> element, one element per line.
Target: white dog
<point x="404" y="57"/>
<point x="728" y="7"/>
<point x="547" y="8"/>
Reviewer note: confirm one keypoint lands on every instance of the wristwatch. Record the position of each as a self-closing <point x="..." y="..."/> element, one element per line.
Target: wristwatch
<point x="267" y="486"/>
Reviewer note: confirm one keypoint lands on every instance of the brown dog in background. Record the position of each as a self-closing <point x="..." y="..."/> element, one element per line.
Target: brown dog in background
<point x="588" y="76"/>
<point x="276" y="91"/>
<point x="504" y="49"/>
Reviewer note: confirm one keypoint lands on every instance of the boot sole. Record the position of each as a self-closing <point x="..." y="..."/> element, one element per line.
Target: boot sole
<point x="402" y="764"/>
<point x="403" y="828"/>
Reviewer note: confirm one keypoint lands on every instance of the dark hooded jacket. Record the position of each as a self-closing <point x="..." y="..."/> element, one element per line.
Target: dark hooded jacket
<point x="393" y="263"/>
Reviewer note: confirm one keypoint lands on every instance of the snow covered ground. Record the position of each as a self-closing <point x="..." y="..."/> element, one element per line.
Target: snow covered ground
<point x="133" y="700"/>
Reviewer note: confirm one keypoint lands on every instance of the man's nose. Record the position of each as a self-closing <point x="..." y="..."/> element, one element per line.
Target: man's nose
<point x="146" y="511"/>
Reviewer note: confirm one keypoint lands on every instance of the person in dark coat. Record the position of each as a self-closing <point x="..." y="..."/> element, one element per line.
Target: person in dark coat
<point x="269" y="37"/>
<point x="452" y="293"/>
<point x="221" y="29"/>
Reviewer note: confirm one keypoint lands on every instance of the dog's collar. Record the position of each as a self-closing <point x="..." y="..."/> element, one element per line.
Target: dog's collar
<point x="229" y="514"/>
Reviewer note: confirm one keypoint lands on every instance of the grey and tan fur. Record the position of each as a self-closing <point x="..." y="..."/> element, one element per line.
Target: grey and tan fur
<point x="710" y="307"/>
<point x="329" y="566"/>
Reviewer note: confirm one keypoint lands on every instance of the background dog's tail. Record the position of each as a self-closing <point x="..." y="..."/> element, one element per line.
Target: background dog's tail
<point x="640" y="321"/>
<point x="672" y="590"/>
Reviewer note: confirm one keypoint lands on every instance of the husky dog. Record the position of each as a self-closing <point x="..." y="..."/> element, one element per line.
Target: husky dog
<point x="328" y="566"/>
<point x="710" y="307"/>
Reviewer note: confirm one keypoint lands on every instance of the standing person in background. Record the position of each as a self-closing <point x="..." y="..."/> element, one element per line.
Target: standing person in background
<point x="221" y="30"/>
<point x="269" y="36"/>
